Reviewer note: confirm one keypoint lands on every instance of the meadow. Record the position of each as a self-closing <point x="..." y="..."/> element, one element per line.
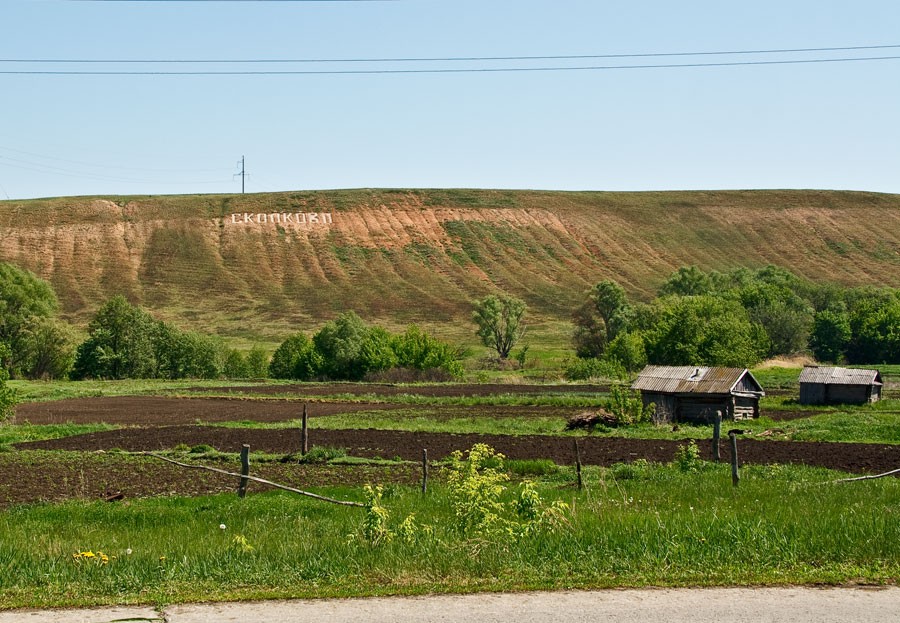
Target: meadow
<point x="638" y="524"/>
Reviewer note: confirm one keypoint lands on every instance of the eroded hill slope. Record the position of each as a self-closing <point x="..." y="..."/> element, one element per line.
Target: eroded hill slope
<point x="247" y="265"/>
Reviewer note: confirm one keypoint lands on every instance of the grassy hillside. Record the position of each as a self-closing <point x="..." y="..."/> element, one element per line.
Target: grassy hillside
<point x="402" y="256"/>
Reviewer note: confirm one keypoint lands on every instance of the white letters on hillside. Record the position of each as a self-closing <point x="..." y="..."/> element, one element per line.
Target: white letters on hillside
<point x="311" y="219"/>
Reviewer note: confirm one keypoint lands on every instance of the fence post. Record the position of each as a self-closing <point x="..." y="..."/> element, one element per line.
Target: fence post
<point x="245" y="470"/>
<point x="578" y="463"/>
<point x="424" y="470"/>
<point x="304" y="436"/>
<point x="717" y="433"/>
<point x="732" y="435"/>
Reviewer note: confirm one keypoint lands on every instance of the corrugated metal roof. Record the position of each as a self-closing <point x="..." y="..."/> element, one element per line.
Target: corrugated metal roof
<point x="690" y="379"/>
<point x="839" y="376"/>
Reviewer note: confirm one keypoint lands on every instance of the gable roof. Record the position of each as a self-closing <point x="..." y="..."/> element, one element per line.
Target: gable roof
<point x="839" y="376"/>
<point x="694" y="380"/>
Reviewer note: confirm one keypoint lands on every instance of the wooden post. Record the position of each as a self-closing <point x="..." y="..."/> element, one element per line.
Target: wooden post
<point x="717" y="433"/>
<point x="578" y="464"/>
<point x="245" y="470"/>
<point x="304" y="437"/>
<point x="424" y="470"/>
<point x="735" y="477"/>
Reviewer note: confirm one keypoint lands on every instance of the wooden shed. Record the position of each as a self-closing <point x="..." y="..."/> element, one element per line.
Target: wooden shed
<point x="698" y="394"/>
<point x="820" y="385"/>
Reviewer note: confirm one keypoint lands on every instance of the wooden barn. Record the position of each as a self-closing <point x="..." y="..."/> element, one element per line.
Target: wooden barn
<point x="698" y="395"/>
<point x="820" y="385"/>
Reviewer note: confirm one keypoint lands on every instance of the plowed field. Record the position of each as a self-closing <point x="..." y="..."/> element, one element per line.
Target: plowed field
<point x="153" y="423"/>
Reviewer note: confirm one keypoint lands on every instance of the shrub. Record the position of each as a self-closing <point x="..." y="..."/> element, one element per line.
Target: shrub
<point x="417" y="350"/>
<point x="477" y="483"/>
<point x="687" y="457"/>
<point x="627" y="407"/>
<point x="585" y="369"/>
<point x="321" y="454"/>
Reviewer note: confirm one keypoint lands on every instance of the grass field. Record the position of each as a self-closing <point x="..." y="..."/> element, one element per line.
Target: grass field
<point x="634" y="525"/>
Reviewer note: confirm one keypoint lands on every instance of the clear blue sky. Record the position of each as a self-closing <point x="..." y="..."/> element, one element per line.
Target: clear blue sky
<point x="824" y="125"/>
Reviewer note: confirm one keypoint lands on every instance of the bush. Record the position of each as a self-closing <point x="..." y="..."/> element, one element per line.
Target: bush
<point x="417" y="350"/>
<point x="687" y="457"/>
<point x="340" y="344"/>
<point x="586" y="369"/>
<point x="627" y="407"/>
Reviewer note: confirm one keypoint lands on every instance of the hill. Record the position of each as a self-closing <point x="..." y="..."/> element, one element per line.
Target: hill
<point x="260" y="266"/>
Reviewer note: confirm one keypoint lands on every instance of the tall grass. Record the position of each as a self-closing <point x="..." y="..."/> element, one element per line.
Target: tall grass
<point x="651" y="525"/>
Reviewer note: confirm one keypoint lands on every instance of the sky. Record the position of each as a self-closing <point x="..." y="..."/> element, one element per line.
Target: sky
<point x="565" y="124"/>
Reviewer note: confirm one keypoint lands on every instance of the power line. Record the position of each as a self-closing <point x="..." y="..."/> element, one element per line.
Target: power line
<point x="110" y="166"/>
<point x="26" y="165"/>
<point x="447" y="59"/>
<point x="443" y="70"/>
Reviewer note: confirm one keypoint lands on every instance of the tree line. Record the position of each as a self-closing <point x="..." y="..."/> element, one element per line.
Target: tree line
<point x="737" y="319"/>
<point x="126" y="341"/>
<point x="734" y="318"/>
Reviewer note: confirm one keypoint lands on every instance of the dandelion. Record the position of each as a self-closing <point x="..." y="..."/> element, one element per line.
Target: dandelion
<point x="221" y="526"/>
<point x="128" y="552"/>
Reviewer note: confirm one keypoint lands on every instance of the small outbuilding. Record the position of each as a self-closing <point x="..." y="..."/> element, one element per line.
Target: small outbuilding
<point x="821" y="385"/>
<point x="698" y="394"/>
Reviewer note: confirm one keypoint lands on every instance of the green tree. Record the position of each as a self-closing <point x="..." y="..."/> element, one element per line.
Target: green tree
<point x="628" y="349"/>
<point x="876" y="338"/>
<point x="46" y="348"/>
<point x="257" y="362"/>
<point x="830" y="335"/>
<point x="23" y="296"/>
<point x="786" y="317"/>
<point x="704" y="330"/>
<point x="499" y="322"/>
<point x="235" y="364"/>
<point x="120" y="344"/>
<point x="184" y="354"/>
<point x="687" y="281"/>
<point x="340" y="344"/>
<point x="8" y="396"/>
<point x="296" y="358"/>
<point x="600" y="319"/>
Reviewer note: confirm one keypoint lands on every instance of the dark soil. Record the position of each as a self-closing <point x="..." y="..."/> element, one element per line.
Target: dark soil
<point x="159" y="411"/>
<point x="154" y="423"/>
<point x="41" y="477"/>
<point x="371" y="443"/>
<point x="442" y="390"/>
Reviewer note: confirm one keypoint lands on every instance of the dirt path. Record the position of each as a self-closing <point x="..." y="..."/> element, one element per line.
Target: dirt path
<point x="680" y="605"/>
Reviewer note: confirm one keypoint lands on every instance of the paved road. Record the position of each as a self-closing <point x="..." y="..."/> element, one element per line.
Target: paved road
<point x="728" y="605"/>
